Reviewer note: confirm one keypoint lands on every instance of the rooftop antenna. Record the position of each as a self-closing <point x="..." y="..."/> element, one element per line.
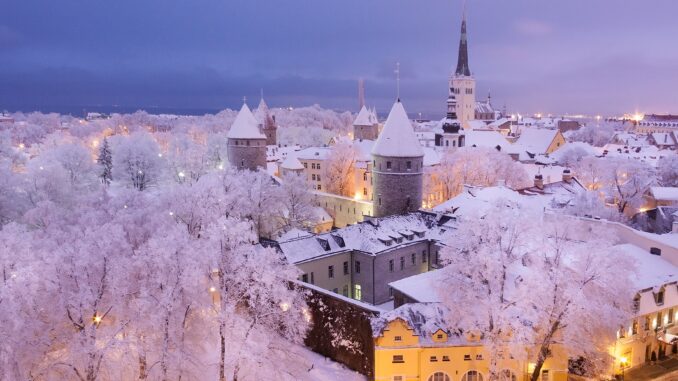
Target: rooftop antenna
<point x="397" y="72"/>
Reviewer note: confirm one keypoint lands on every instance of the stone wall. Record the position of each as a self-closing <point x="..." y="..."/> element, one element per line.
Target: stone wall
<point x="247" y="153"/>
<point x="397" y="190"/>
<point x="341" y="330"/>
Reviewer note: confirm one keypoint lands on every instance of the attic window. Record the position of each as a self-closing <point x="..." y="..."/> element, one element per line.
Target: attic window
<point x="339" y="240"/>
<point x="439" y="336"/>
<point x="325" y="245"/>
<point x="659" y="297"/>
<point x="398" y="338"/>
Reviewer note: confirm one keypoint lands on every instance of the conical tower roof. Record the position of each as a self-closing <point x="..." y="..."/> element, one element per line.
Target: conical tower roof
<point x="363" y="118"/>
<point x="397" y="139"/>
<point x="245" y="126"/>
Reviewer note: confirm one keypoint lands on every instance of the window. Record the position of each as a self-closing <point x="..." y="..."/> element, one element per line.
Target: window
<point x="365" y="176"/>
<point x="397" y="378"/>
<point x="408" y="165"/>
<point x="248" y="142"/>
<point x="446" y="358"/>
<point x="414" y="258"/>
<point x="507" y="375"/>
<point x="472" y="375"/>
<point x="379" y="201"/>
<point x="364" y="191"/>
<point x="660" y="297"/>
<point x="634" y="327"/>
<point x="330" y="271"/>
<point x="545" y="375"/>
<point x="439" y="376"/>
<point x="402" y="263"/>
<point x="388" y="165"/>
<point x="433" y="359"/>
<point x="345" y="290"/>
<point x="319" y="188"/>
<point x="306" y="165"/>
<point x="313" y="177"/>
<point x="312" y="165"/>
<point x="317" y="177"/>
<point x="659" y="320"/>
<point x="647" y="323"/>
<point x="479" y="357"/>
<point x="304" y="278"/>
<point x="390" y="265"/>
<point x="336" y="290"/>
<point x="357" y="267"/>
<point x="423" y="256"/>
<point x="669" y="317"/>
<point x="398" y="338"/>
<point x="390" y="291"/>
<point x="317" y="166"/>
<point x="357" y="292"/>
<point x="439" y="336"/>
<point x="398" y="359"/>
<point x="345" y="268"/>
<point x="467" y="357"/>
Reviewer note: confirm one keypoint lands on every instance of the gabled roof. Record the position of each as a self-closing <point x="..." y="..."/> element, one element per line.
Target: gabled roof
<point x="245" y="126"/>
<point x="364" y="118"/>
<point x="665" y="193"/>
<point x="537" y="140"/>
<point x="397" y="139"/>
<point x="291" y="162"/>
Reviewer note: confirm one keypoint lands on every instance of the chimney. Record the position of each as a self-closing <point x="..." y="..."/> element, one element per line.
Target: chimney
<point x="539" y="181"/>
<point x="567" y="175"/>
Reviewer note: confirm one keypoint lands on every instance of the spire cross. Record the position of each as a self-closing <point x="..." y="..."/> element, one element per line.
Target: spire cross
<point x="397" y="72"/>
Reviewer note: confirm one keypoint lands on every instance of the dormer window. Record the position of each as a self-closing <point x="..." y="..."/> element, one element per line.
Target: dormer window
<point x="659" y="297"/>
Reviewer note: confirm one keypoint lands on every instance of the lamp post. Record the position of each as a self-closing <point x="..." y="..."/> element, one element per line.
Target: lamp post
<point x="623" y="362"/>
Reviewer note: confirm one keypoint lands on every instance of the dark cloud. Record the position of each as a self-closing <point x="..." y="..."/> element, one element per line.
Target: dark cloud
<point x="575" y="56"/>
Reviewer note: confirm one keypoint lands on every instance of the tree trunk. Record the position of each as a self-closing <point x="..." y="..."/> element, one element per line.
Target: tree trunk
<point x="165" y="348"/>
<point x="143" y="366"/>
<point x="222" y="355"/>
<point x="543" y="352"/>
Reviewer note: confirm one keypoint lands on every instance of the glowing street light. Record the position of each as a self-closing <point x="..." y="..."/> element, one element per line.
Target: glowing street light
<point x="97" y="319"/>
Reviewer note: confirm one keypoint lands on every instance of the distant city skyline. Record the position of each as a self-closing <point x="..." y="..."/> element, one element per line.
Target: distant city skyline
<point x="202" y="56"/>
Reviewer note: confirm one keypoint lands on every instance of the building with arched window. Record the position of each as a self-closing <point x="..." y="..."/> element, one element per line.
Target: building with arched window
<point x="413" y="343"/>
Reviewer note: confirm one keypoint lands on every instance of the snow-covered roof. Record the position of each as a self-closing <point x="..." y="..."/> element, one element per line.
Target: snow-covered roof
<point x="431" y="157"/>
<point x="313" y="153"/>
<point x="652" y="270"/>
<point x="397" y="139"/>
<point x="484" y="107"/>
<point x="295" y="234"/>
<point x="479" y="200"/>
<point x="373" y="237"/>
<point x="291" y="163"/>
<point x="420" y="287"/>
<point x="245" y="126"/>
<point x="537" y="140"/>
<point x="364" y="118"/>
<point x="665" y="193"/>
<point x="486" y="138"/>
<point x="364" y="149"/>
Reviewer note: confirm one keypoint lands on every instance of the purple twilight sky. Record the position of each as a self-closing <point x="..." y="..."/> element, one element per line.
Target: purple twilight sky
<point x="577" y="56"/>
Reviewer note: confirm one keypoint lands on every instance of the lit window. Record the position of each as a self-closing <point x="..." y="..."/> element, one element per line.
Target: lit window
<point x="544" y="375"/>
<point x="357" y="292"/>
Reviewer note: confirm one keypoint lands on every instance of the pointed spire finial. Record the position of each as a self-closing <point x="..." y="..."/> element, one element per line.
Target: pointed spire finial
<point x="397" y="73"/>
<point x="462" y="60"/>
<point x="244" y="99"/>
<point x="262" y="93"/>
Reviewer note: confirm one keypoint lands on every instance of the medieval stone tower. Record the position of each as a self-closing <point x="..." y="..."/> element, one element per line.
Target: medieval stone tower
<point x="246" y="143"/>
<point x="398" y="164"/>
<point x="267" y="123"/>
<point x="462" y="98"/>
<point x="366" y="125"/>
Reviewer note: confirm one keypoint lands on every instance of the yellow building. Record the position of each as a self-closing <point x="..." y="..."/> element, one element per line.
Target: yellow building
<point x="412" y="344"/>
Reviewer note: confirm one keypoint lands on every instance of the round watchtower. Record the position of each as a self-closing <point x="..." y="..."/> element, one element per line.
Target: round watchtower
<point x="398" y="165"/>
<point x="246" y="143"/>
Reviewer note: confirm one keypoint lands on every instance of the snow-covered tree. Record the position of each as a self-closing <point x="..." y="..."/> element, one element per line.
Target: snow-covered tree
<point x="137" y="162"/>
<point x="668" y="170"/>
<point x="530" y="281"/>
<point x="339" y="169"/>
<point x="252" y="294"/>
<point x="595" y="134"/>
<point x="477" y="166"/>
<point x="105" y="161"/>
<point x="297" y="201"/>
<point x="628" y="181"/>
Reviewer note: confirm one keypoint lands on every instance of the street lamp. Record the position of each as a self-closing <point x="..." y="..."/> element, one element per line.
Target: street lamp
<point x="623" y="362"/>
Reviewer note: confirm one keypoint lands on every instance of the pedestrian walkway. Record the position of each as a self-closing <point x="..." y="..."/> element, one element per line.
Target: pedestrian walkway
<point x="665" y="370"/>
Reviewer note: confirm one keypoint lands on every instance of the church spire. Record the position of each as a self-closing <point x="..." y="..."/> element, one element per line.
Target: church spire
<point x="462" y="61"/>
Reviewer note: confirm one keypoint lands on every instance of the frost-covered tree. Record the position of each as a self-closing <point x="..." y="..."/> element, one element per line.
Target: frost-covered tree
<point x="595" y="134"/>
<point x="530" y="281"/>
<point x="105" y="161"/>
<point x="628" y="181"/>
<point x="137" y="162"/>
<point x="668" y="170"/>
<point x="477" y="166"/>
<point x="188" y="160"/>
<point x="339" y="169"/>
<point x="251" y="295"/>
<point x="297" y="202"/>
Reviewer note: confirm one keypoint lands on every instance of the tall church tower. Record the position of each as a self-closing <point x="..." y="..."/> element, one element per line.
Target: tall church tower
<point x="398" y="165"/>
<point x="462" y="98"/>
<point x="246" y="143"/>
<point x="267" y="123"/>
